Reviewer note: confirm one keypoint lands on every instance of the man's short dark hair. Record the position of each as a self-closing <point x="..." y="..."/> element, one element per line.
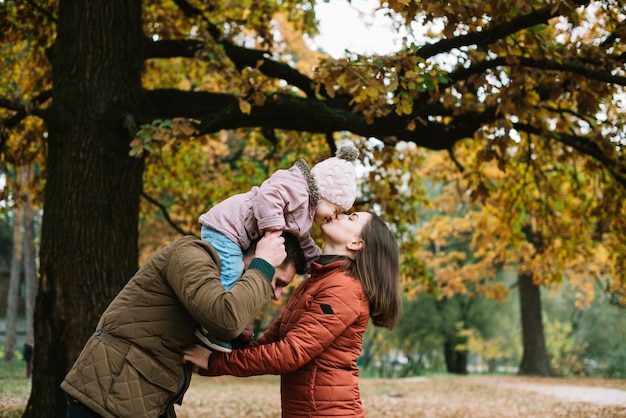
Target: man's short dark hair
<point x="294" y="251"/>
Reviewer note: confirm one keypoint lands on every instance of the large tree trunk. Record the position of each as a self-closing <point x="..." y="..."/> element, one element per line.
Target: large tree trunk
<point x="535" y="357"/>
<point x="456" y="361"/>
<point x="10" y="337"/>
<point x="92" y="186"/>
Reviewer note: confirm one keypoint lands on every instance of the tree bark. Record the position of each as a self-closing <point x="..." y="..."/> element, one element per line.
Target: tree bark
<point x="10" y="336"/>
<point x="535" y="357"/>
<point x="88" y="239"/>
<point x="30" y="264"/>
<point x="456" y="361"/>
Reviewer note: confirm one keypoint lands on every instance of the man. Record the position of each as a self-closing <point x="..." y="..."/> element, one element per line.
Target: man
<point x="132" y="365"/>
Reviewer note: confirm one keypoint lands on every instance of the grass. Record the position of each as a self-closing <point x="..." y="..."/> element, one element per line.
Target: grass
<point x="434" y="396"/>
<point x="14" y="388"/>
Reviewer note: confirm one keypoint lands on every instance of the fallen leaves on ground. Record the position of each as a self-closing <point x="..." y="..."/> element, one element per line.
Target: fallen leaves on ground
<point x="441" y="396"/>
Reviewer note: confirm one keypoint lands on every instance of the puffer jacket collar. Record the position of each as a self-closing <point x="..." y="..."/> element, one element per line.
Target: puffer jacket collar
<point x="328" y="264"/>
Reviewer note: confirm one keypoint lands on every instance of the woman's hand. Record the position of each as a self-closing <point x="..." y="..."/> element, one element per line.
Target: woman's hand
<point x="197" y="355"/>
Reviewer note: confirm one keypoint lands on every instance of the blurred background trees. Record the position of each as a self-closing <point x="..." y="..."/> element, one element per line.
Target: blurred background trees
<point x="492" y="140"/>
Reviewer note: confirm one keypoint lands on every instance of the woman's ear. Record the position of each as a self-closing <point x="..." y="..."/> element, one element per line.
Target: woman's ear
<point x="356" y="245"/>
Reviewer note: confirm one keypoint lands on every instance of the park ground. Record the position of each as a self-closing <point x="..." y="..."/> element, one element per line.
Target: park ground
<point x="438" y="396"/>
<point x="435" y="396"/>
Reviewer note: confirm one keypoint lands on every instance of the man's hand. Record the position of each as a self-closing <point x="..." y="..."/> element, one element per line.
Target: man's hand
<point x="197" y="355"/>
<point x="271" y="248"/>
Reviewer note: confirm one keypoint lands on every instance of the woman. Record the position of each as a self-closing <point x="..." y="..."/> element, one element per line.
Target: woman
<point x="315" y="343"/>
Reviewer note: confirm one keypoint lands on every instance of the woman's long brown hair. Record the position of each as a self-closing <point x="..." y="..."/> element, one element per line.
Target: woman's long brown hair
<point x="377" y="267"/>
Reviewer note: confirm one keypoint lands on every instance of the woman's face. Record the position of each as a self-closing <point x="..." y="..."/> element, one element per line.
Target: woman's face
<point x="346" y="228"/>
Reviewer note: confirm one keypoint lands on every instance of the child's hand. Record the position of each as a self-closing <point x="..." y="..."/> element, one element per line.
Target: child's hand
<point x="197" y="355"/>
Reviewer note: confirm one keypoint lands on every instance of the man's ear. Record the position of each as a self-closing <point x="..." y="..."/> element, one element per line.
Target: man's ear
<point x="356" y="245"/>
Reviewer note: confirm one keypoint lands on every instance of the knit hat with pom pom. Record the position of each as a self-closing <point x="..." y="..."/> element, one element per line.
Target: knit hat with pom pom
<point x="336" y="177"/>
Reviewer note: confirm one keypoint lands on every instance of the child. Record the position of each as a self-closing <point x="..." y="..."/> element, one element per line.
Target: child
<point x="289" y="200"/>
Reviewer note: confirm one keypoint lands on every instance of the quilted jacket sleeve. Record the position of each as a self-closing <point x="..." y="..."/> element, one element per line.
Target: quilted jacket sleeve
<point x="314" y="330"/>
<point x="193" y="273"/>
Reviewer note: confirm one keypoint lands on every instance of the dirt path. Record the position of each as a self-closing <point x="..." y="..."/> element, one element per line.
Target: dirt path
<point x="598" y="396"/>
<point x="573" y="393"/>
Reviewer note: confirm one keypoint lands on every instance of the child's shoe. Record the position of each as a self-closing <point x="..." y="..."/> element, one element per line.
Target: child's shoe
<point x="212" y="342"/>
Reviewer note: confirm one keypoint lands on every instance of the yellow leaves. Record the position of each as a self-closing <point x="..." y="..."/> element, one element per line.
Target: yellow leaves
<point x="539" y="217"/>
<point x="533" y="98"/>
<point x="405" y="105"/>
<point x="245" y="106"/>
<point x="159" y="134"/>
<point x="371" y="92"/>
<point x="476" y="344"/>
<point x="342" y="81"/>
<point x="377" y="82"/>
<point x="566" y="353"/>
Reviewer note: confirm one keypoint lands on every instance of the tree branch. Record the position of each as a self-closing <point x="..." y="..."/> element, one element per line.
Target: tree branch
<point x="282" y="111"/>
<point x="26" y="109"/>
<point x="22" y="110"/>
<point x="494" y="33"/>
<point x="244" y="57"/>
<point x="166" y="215"/>
<point x="185" y="48"/>
<point x="43" y="11"/>
<point x="567" y="66"/>
<point x="584" y="145"/>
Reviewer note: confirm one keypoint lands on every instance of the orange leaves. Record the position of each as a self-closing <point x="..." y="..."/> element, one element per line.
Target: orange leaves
<point x="523" y="204"/>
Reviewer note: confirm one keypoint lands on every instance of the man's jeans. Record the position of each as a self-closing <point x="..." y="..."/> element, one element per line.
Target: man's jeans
<point x="76" y="409"/>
